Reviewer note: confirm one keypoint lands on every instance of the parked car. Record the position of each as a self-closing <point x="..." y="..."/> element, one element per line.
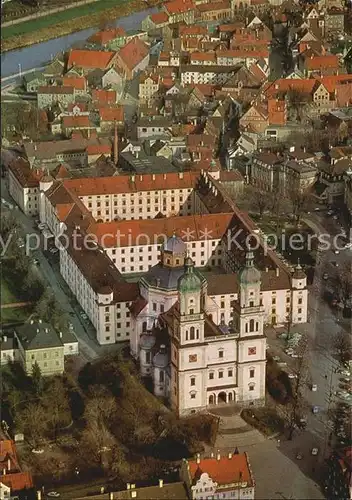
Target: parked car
<point x="315" y="409"/>
<point x="314" y="387"/>
<point x="336" y="252"/>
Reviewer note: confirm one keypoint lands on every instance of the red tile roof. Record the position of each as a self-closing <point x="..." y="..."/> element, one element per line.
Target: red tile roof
<point x="305" y="86"/>
<point x="105" y="36"/>
<point x="98" y="149"/>
<point x="90" y="59"/>
<point x="128" y="232"/>
<point x="133" y="53"/>
<point x="77" y="82"/>
<point x="344" y="94"/>
<point x="203" y="56"/>
<point x="81" y="105"/>
<point x="55" y="89"/>
<point x="104" y="96"/>
<point x="224" y="471"/>
<point x="330" y="82"/>
<point x="111" y="114"/>
<point x="159" y="18"/>
<point x="322" y="62"/>
<point x="193" y="30"/>
<point x="79" y="121"/>
<point x="179" y="6"/>
<point x="126" y="184"/>
<point x="18" y="481"/>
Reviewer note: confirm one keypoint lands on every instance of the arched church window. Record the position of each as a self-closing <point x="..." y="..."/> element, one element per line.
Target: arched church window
<point x="192" y="335"/>
<point x="251" y="325"/>
<point x="197" y="333"/>
<point x="187" y="335"/>
<point x="191" y="311"/>
<point x="161" y="376"/>
<point x="246" y="329"/>
<point x="144" y="326"/>
<point x="251" y="303"/>
<point x="257" y="326"/>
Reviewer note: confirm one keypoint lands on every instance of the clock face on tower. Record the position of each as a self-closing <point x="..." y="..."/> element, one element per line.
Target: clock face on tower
<point x="192" y="358"/>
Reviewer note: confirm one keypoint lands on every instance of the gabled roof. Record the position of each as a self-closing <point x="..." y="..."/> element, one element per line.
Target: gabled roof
<point x="78" y="82"/>
<point x="104" y="96"/>
<point x="224" y="471"/>
<point x="105" y="36"/>
<point x="159" y="18"/>
<point x="89" y="59"/>
<point x="111" y="114"/>
<point x="79" y="121"/>
<point x="37" y="336"/>
<point x="60" y="172"/>
<point x="178" y="6"/>
<point x="17" y="481"/>
<point x="133" y="53"/>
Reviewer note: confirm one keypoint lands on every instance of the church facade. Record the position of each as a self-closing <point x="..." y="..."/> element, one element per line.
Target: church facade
<point x="194" y="362"/>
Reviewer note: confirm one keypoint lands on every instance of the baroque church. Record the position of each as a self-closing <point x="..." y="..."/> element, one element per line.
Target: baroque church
<point x="195" y="363"/>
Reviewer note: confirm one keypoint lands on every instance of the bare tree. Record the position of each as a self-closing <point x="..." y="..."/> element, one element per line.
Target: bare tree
<point x="343" y="346"/>
<point x="253" y="199"/>
<point x="301" y="202"/>
<point x="344" y="283"/>
<point x="296" y="407"/>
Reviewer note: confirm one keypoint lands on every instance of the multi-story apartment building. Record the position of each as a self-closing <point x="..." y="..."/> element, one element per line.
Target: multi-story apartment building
<point x="180" y="11"/>
<point x="265" y="170"/>
<point x="51" y="94"/>
<point x="205" y="74"/>
<point x="23" y="185"/>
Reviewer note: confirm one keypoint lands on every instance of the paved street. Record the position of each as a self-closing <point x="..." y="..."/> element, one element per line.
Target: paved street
<point x="89" y="348"/>
<point x="277" y="472"/>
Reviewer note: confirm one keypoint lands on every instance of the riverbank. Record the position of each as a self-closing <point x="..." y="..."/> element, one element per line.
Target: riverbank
<point x="67" y="27"/>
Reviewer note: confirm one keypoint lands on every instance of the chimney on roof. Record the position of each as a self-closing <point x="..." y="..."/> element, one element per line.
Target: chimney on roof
<point x="141" y="178"/>
<point x="218" y="456"/>
<point x="161" y="483"/>
<point x="132" y="178"/>
<point x="198" y="458"/>
<point x="277" y="271"/>
<point x="165" y="177"/>
<point x="153" y="177"/>
<point x="180" y="175"/>
<point x="8" y="464"/>
<point x="230" y="456"/>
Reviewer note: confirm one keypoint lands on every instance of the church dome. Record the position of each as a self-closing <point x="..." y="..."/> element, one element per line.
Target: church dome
<point x="190" y="281"/>
<point x="249" y="274"/>
<point x="175" y="245"/>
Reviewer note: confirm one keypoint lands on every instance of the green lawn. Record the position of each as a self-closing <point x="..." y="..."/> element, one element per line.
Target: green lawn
<point x="8" y="295"/>
<point x="59" y="17"/>
<point x="15" y="315"/>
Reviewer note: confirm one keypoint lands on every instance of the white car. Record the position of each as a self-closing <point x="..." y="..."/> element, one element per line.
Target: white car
<point x="314" y="387"/>
<point x="348" y="245"/>
<point x="53" y="494"/>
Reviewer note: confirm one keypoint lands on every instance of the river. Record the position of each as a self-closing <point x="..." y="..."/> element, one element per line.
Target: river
<point x="36" y="56"/>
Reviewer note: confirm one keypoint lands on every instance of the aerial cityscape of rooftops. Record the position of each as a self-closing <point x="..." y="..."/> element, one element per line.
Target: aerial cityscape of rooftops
<point x="176" y="285"/>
